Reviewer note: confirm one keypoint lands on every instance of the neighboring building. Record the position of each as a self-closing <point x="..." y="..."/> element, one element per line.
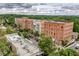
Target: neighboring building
<point x="24" y="23"/>
<point x="59" y="30"/>
<point x="23" y="47"/>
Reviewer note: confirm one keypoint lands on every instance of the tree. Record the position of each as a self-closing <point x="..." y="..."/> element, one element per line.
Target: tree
<point x="64" y="52"/>
<point x="64" y="42"/>
<point x="36" y="33"/>
<point x="54" y="54"/>
<point x="9" y="30"/>
<point x="2" y="32"/>
<point x="4" y="47"/>
<point x="77" y="38"/>
<point x="10" y="20"/>
<point x="46" y="43"/>
<point x="69" y="52"/>
<point x="1" y="21"/>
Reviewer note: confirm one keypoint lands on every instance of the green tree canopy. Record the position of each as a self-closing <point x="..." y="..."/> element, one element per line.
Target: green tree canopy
<point x="10" y="30"/>
<point x="46" y="43"/>
<point x="4" y="47"/>
<point x="64" y="52"/>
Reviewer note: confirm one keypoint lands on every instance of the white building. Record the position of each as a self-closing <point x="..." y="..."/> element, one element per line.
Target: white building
<point x="24" y="47"/>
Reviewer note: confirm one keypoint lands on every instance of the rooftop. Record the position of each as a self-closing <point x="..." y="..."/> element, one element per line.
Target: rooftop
<point x="58" y="21"/>
<point x="53" y="21"/>
<point x="24" y="47"/>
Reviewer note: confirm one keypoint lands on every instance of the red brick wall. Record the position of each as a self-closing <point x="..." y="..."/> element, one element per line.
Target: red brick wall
<point x="25" y="23"/>
<point x="29" y="24"/>
<point x="58" y="31"/>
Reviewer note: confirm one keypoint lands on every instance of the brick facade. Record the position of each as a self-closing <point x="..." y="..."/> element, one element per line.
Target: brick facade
<point x="58" y="30"/>
<point x="24" y="23"/>
<point x="55" y="29"/>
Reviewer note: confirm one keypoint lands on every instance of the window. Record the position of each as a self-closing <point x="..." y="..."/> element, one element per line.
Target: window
<point x="61" y="26"/>
<point x="51" y="28"/>
<point x="54" y="33"/>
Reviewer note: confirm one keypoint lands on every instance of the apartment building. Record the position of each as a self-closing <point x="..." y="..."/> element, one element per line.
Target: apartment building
<point x="58" y="30"/>
<point x="24" y="23"/>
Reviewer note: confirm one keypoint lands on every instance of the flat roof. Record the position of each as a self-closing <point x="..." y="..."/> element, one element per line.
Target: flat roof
<point x="24" y="47"/>
<point x="54" y="21"/>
